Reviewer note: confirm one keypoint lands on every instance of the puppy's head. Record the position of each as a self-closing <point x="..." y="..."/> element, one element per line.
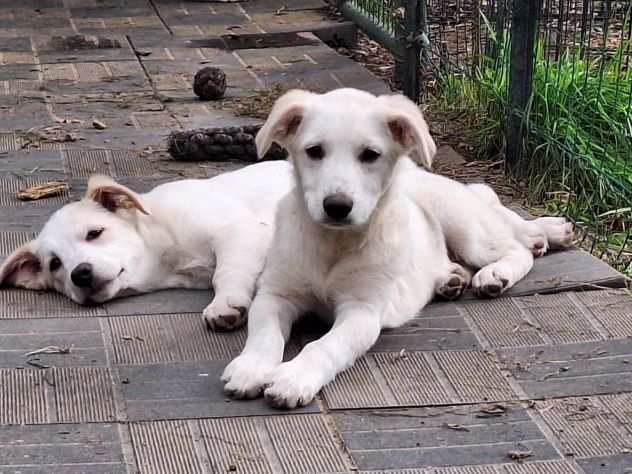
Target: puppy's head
<point x="344" y="145"/>
<point x="86" y="250"/>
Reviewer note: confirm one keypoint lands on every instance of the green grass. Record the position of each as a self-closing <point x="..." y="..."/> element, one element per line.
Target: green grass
<point x="579" y="141"/>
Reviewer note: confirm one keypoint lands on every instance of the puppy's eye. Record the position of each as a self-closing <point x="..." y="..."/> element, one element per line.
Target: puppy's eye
<point x="94" y="234"/>
<point x="315" y="152"/>
<point x="54" y="265"/>
<point x="369" y="155"/>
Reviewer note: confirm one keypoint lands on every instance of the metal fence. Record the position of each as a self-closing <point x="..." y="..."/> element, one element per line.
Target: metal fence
<point x="548" y="84"/>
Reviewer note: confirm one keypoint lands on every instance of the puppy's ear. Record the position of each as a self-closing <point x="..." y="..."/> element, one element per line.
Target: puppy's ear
<point x="408" y="127"/>
<point x="23" y="268"/>
<point x="112" y="195"/>
<point x="285" y="117"/>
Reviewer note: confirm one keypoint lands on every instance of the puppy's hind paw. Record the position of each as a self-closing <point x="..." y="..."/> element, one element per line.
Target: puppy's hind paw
<point x="559" y="231"/>
<point x="454" y="284"/>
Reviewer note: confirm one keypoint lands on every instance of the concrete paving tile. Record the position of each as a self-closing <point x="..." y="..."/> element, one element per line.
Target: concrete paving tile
<point x="439" y="437"/>
<point x="161" y="302"/>
<point x="304" y="445"/>
<point x="571" y="369"/>
<point x="411" y="378"/>
<point x="165" y="447"/>
<point x="64" y="449"/>
<point x="25" y="304"/>
<point x="560" y="318"/>
<point x="24" y="219"/>
<point x="11" y="186"/>
<point x="184" y="390"/>
<point x="502" y="323"/>
<point x="544" y="467"/>
<point x="571" y="270"/>
<point x="170" y="338"/>
<point x="447" y="330"/>
<point x="620" y="463"/>
<point x="474" y="376"/>
<point x="358" y="387"/>
<point x="10" y="241"/>
<point x="81" y="336"/>
<point x="47" y="164"/>
<point x="612" y="309"/>
<point x="84" y="394"/>
<point x="235" y="444"/>
<point x="22" y="397"/>
<point x="585" y="427"/>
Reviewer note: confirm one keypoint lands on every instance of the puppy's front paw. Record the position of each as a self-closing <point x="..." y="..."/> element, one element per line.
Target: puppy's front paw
<point x="291" y="386"/>
<point x="454" y="284"/>
<point x="490" y="282"/>
<point x="226" y="314"/>
<point x="245" y="376"/>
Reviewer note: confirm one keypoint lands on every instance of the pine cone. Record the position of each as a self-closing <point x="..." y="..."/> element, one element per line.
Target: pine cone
<point x="219" y="144"/>
<point x="210" y="83"/>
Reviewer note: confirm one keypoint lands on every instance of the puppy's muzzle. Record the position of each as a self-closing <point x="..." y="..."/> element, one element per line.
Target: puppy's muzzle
<point x="337" y="206"/>
<point x="82" y="275"/>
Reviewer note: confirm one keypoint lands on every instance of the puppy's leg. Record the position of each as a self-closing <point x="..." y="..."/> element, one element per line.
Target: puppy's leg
<point x="497" y="277"/>
<point x="269" y="325"/>
<point x="527" y="232"/>
<point x="559" y="231"/>
<point x="238" y="265"/>
<point x="454" y="284"/>
<point x="295" y="383"/>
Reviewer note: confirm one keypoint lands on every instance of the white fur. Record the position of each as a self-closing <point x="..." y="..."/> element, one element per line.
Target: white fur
<point x="381" y="264"/>
<point x="185" y="234"/>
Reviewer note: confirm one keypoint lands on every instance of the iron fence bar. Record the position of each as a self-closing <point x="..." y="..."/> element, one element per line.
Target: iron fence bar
<point x="374" y="32"/>
<point x="524" y="25"/>
<point x="411" y="46"/>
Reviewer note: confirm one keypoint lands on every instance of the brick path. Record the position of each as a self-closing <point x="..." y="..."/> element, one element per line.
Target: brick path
<point x="545" y="379"/>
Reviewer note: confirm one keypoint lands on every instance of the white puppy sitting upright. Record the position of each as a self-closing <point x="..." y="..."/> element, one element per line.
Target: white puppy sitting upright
<point x="363" y="237"/>
<point x="348" y="241"/>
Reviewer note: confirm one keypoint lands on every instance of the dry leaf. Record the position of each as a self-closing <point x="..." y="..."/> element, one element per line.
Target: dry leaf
<point x="41" y="191"/>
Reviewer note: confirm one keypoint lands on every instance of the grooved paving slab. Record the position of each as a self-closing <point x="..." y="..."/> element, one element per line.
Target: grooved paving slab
<point x="586" y="427"/>
<point x="17" y="303"/>
<point x="80" y="342"/>
<point x="184" y="390"/>
<point x="440" y="437"/>
<point x="304" y="445"/>
<point x="170" y="338"/>
<point x="419" y="379"/>
<point x="10" y="241"/>
<point x="10" y="187"/>
<point x="165" y="447"/>
<point x="571" y="369"/>
<point x="22" y="397"/>
<point x="61" y="448"/>
<point x="84" y="394"/>
<point x="235" y="443"/>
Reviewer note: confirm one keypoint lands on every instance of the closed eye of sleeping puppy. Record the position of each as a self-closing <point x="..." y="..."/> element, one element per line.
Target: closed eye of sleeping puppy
<point x="363" y="235"/>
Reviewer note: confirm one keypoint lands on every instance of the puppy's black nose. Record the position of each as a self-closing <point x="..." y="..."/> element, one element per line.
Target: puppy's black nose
<point x="81" y="275"/>
<point x="338" y="206"/>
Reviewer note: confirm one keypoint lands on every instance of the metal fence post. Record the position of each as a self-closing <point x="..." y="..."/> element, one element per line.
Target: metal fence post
<point x="411" y="48"/>
<point x="524" y="26"/>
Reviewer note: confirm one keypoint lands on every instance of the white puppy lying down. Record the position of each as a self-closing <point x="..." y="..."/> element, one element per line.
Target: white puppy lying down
<point x="185" y="234"/>
<point x="362" y="236"/>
